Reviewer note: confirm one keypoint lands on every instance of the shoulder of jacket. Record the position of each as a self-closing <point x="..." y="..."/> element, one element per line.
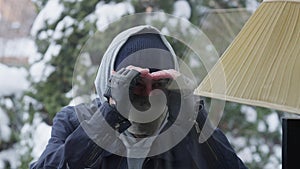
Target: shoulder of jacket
<point x="68" y="115"/>
<point x="83" y="111"/>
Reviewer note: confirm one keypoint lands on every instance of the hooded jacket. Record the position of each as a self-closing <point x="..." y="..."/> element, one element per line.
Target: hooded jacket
<point x="72" y="144"/>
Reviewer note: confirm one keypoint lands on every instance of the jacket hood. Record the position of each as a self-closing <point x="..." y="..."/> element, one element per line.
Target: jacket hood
<point x="109" y="57"/>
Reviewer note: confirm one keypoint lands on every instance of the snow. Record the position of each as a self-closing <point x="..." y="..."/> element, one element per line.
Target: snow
<point x="277" y="151"/>
<point x="65" y="23"/>
<point x="5" y="130"/>
<point x="240" y="141"/>
<point x="252" y="5"/>
<point x="210" y="48"/>
<point x="256" y="157"/>
<point x="194" y="62"/>
<point x="53" y="50"/>
<point x="182" y="9"/>
<point x="11" y="156"/>
<point x="41" y="70"/>
<point x="40" y="138"/>
<point x="21" y="47"/>
<point x="8" y="103"/>
<point x="72" y="0"/>
<point x="35" y="136"/>
<point x="107" y="13"/>
<point x="246" y="155"/>
<point x="273" y="163"/>
<point x="264" y="148"/>
<point x="261" y="127"/>
<point x="14" y="78"/>
<point x="250" y="113"/>
<point x="49" y="14"/>
<point x="37" y="2"/>
<point x="273" y="122"/>
<point x="42" y="35"/>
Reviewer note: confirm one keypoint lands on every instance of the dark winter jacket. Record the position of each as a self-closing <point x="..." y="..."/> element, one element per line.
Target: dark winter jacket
<point x="70" y="147"/>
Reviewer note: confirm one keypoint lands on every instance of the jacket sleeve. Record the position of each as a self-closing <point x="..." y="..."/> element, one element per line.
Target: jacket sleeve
<point x="69" y="145"/>
<point x="217" y="149"/>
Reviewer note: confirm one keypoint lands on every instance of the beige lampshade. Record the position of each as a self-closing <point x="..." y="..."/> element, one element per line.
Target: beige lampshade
<point x="261" y="67"/>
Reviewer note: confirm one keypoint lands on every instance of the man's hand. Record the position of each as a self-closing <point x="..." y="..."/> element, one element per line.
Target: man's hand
<point x="181" y="101"/>
<point x="119" y="87"/>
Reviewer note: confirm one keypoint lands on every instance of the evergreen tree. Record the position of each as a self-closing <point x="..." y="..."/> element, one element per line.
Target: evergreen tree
<point x="51" y="92"/>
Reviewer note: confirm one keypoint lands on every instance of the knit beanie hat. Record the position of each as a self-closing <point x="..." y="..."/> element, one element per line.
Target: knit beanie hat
<point x="146" y="51"/>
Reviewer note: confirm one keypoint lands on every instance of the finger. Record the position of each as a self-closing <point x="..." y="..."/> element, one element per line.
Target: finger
<point x="160" y="75"/>
<point x="132" y="73"/>
<point x="121" y="71"/>
<point x="125" y="72"/>
<point x="144" y="71"/>
<point x="170" y="73"/>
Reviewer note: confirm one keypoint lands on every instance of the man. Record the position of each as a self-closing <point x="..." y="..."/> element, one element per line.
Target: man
<point x="146" y="115"/>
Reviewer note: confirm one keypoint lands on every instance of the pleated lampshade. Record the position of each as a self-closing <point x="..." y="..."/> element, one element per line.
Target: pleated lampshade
<point x="262" y="65"/>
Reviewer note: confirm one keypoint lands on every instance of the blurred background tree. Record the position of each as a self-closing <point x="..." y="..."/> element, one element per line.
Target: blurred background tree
<point x="62" y="29"/>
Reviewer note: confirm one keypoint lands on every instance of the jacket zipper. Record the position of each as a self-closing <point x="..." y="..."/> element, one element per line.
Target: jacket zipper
<point x="120" y="162"/>
<point x="198" y="130"/>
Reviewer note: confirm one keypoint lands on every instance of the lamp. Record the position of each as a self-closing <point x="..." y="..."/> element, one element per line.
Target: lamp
<point x="262" y="65"/>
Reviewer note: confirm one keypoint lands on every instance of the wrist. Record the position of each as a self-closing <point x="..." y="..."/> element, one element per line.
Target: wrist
<point x="114" y="118"/>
